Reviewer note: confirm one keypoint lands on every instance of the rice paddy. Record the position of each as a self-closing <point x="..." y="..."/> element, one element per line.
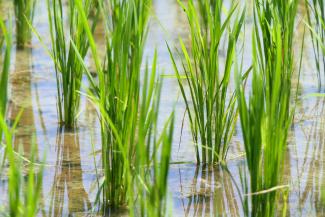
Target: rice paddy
<point x="162" y="108"/>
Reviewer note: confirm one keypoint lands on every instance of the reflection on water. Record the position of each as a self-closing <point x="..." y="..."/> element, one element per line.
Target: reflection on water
<point x="21" y="101"/>
<point x="68" y="193"/>
<point x="308" y="192"/>
<point x="209" y="191"/>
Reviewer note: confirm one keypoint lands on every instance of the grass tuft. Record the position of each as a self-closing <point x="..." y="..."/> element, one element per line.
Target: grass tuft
<point x="23" y="194"/>
<point x="68" y="69"/>
<point x="24" y="11"/>
<point x="210" y="104"/>
<point x="128" y="116"/>
<point x="316" y="19"/>
<point x="266" y="116"/>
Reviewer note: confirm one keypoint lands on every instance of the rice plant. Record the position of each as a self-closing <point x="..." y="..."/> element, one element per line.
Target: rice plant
<point x="119" y="90"/>
<point x="24" y="194"/>
<point x="150" y="164"/>
<point x="128" y="118"/>
<point x="210" y="104"/>
<point x="316" y="19"/>
<point x="24" y="12"/>
<point x="5" y="52"/>
<point x="266" y="116"/>
<point x="23" y="198"/>
<point x="67" y="67"/>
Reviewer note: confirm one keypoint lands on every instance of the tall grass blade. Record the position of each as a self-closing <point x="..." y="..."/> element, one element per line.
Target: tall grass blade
<point x="5" y="54"/>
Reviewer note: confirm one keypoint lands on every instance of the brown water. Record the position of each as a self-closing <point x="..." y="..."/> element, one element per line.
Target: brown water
<point x="70" y="183"/>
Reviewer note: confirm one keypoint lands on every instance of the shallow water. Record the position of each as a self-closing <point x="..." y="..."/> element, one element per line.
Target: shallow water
<point x="70" y="180"/>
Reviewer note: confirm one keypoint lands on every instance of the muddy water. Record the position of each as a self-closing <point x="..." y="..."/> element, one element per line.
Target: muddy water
<point x="70" y="180"/>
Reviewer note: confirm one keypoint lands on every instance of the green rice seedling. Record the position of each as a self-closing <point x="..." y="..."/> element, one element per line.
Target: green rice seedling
<point x="150" y="165"/>
<point x="316" y="19"/>
<point x="146" y="167"/>
<point x="24" y="12"/>
<point x="5" y="51"/>
<point x="119" y="90"/>
<point x="266" y="116"/>
<point x="210" y="104"/>
<point x="134" y="157"/>
<point x="151" y="174"/>
<point x="117" y="93"/>
<point x="23" y="194"/>
<point x="67" y="67"/>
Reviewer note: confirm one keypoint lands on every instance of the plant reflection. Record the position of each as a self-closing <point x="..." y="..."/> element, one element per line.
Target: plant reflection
<point x="211" y="193"/>
<point x="68" y="192"/>
<point x="21" y="100"/>
<point x="311" y="169"/>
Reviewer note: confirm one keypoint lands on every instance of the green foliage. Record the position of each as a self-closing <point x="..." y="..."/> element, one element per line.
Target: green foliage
<point x="150" y="163"/>
<point x="130" y="142"/>
<point x="23" y="194"/>
<point x="68" y="69"/>
<point x="5" y="49"/>
<point x="23" y="197"/>
<point x="24" y="11"/>
<point x="316" y="19"/>
<point x="210" y="105"/>
<point x="266" y="116"/>
<point x="119" y="90"/>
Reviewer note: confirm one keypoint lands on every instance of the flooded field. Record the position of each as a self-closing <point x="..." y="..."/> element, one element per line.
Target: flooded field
<point x="72" y="170"/>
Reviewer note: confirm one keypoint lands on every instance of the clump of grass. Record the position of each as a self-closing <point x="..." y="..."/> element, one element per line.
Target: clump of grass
<point x="117" y="94"/>
<point x="210" y="105"/>
<point x="150" y="164"/>
<point x="316" y="19"/>
<point x="68" y="69"/>
<point x="266" y="116"/>
<point x="24" y="11"/>
<point x="5" y="52"/>
<point x="134" y="157"/>
<point x="23" y="197"/>
<point x="24" y="194"/>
